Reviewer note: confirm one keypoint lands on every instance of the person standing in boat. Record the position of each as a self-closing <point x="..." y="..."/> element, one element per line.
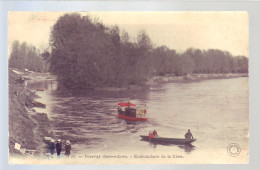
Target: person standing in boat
<point x="119" y="110"/>
<point x="58" y="147"/>
<point x="67" y="148"/>
<point x="188" y="135"/>
<point x="127" y="109"/>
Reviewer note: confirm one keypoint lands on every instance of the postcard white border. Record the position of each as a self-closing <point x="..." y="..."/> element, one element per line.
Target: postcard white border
<point x="254" y="64"/>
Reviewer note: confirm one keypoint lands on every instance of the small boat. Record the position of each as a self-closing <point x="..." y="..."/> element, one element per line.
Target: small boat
<point x="38" y="104"/>
<point x="162" y="140"/>
<point x="40" y="89"/>
<point x="128" y="112"/>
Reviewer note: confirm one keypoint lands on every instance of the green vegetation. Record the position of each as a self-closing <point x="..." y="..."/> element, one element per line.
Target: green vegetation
<point x="24" y="56"/>
<point x="85" y="53"/>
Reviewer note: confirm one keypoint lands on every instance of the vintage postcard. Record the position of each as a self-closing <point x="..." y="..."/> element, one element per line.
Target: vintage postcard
<point x="128" y="87"/>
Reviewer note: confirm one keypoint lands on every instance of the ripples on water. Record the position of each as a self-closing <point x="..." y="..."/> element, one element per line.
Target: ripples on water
<point x="216" y="111"/>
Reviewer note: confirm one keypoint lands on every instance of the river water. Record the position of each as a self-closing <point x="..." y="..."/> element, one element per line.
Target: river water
<point x="216" y="112"/>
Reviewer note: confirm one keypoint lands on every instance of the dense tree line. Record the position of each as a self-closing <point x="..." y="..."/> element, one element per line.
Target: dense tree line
<point x="212" y="61"/>
<point x="24" y="56"/>
<point x="86" y="53"/>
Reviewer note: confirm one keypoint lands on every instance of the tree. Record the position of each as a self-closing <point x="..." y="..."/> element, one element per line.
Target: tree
<point x="86" y="53"/>
<point x="125" y="37"/>
<point x="144" y="41"/>
<point x="26" y="56"/>
<point x="185" y="65"/>
<point x="197" y="57"/>
<point x="14" y="56"/>
<point x="240" y="64"/>
<point x="162" y="61"/>
<point x="46" y="56"/>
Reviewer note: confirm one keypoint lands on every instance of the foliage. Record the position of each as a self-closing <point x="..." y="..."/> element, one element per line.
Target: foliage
<point x="24" y="56"/>
<point x="185" y="65"/>
<point x="86" y="53"/>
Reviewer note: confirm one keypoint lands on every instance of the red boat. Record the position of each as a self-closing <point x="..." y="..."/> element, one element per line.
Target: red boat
<point x="40" y="89"/>
<point x="38" y="104"/>
<point x="127" y="111"/>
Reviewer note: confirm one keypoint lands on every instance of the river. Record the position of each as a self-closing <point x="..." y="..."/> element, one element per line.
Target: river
<point x="216" y="112"/>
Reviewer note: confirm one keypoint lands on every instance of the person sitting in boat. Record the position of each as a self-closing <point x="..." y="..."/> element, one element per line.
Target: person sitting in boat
<point x="120" y="110"/>
<point x="132" y="112"/>
<point x="127" y="111"/>
<point x="188" y="135"/>
<point x="155" y="133"/>
<point x="150" y="135"/>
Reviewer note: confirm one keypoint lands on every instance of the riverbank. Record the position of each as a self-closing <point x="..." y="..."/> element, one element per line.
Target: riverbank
<point x="192" y="78"/>
<point x="26" y="126"/>
<point x="158" y="80"/>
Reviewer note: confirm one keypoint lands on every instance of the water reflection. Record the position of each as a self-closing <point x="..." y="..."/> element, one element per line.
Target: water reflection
<point x="187" y="148"/>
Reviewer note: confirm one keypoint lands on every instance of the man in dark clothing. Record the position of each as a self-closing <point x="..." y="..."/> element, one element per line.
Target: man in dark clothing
<point x="188" y="135"/>
<point x="52" y="146"/>
<point x="58" y="147"/>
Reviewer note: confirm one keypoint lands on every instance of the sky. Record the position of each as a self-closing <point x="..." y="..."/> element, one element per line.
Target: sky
<point x="227" y="31"/>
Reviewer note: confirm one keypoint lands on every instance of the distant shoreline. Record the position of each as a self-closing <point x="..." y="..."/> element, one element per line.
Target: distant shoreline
<point x="193" y="78"/>
<point x="157" y="80"/>
<point x="154" y="81"/>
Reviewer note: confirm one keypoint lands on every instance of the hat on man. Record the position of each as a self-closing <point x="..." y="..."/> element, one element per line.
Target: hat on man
<point x="67" y="142"/>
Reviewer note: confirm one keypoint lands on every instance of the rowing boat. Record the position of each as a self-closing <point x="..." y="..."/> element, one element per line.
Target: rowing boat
<point x="167" y="140"/>
<point x="38" y="104"/>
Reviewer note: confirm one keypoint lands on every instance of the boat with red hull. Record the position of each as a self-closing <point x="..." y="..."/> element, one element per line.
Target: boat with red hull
<point x="131" y="118"/>
<point x="128" y="111"/>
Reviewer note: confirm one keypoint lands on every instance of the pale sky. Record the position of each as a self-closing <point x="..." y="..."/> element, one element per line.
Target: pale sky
<point x="178" y="30"/>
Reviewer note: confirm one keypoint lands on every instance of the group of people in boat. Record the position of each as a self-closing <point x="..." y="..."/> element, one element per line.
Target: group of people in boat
<point x="154" y="134"/>
<point x="128" y="111"/>
<point x="58" y="146"/>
